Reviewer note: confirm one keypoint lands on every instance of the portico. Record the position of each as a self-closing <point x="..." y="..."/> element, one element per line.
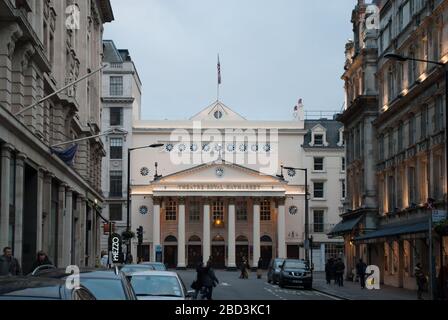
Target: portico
<point x="195" y="219"/>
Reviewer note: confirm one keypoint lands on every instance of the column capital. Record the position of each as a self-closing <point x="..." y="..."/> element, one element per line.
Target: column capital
<point x="256" y="201"/>
<point x="232" y="201"/>
<point x="6" y="150"/>
<point x="157" y="201"/>
<point x="81" y="197"/>
<point x="181" y="200"/>
<point x="281" y="201"/>
<point x="21" y="156"/>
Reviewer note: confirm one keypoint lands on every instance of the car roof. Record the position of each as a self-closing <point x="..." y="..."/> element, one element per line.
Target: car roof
<point x="85" y="273"/>
<point x="31" y="287"/>
<point x="154" y="273"/>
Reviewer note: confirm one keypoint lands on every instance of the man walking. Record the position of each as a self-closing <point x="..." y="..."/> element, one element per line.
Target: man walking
<point x="421" y="280"/>
<point x="340" y="268"/>
<point x="208" y="280"/>
<point x="361" y="268"/>
<point x="329" y="270"/>
<point x="9" y="266"/>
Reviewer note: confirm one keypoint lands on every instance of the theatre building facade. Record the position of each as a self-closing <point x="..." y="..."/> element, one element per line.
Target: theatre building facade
<point x="207" y="194"/>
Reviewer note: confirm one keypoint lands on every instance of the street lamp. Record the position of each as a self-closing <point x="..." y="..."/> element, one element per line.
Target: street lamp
<point x="306" y="208"/>
<point x="401" y="58"/>
<point x="128" y="193"/>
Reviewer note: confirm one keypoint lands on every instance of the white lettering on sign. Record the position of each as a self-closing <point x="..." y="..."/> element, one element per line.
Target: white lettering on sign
<point x="115" y="249"/>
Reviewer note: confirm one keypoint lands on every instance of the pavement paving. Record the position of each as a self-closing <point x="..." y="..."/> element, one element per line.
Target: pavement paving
<point x="353" y="291"/>
<point x="253" y="289"/>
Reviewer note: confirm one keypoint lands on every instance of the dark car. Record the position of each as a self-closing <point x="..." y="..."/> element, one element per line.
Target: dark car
<point x="105" y="284"/>
<point x="296" y="273"/>
<point x="35" y="288"/>
<point x="274" y="270"/>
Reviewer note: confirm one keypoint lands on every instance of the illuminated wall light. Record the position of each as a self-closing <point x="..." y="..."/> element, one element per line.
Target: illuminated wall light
<point x="385" y="108"/>
<point x="444" y="59"/>
<point x="423" y="77"/>
<point x="404" y="92"/>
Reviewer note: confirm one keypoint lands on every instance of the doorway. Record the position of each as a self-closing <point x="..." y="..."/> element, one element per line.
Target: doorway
<point x="170" y="252"/>
<point x="293" y="251"/>
<point x="219" y="256"/>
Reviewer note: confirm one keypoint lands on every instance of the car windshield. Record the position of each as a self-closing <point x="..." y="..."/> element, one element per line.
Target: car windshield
<point x="278" y="263"/>
<point x="295" y="265"/>
<point x="105" y="289"/>
<point x="155" y="285"/>
<point x="159" y="266"/>
<point x="130" y="269"/>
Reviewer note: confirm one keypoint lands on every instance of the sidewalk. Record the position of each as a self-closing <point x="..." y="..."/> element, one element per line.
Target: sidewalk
<point x="353" y="291"/>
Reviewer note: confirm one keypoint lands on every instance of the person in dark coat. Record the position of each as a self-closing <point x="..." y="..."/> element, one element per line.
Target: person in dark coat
<point x="421" y="280"/>
<point x="259" y="268"/>
<point x="243" y="268"/>
<point x="197" y="284"/>
<point x="361" y="268"/>
<point x="329" y="270"/>
<point x="41" y="260"/>
<point x="9" y="266"/>
<point x="340" y="268"/>
<point x="208" y="280"/>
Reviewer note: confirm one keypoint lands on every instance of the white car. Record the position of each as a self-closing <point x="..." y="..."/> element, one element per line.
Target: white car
<point x="159" y="285"/>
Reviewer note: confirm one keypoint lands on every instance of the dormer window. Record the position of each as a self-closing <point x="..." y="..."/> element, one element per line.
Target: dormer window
<point x="319" y="140"/>
<point x="319" y="136"/>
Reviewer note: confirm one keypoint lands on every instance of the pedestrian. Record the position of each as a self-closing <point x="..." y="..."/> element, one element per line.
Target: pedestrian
<point x="333" y="271"/>
<point x="197" y="284"/>
<point x="259" y="268"/>
<point x="208" y="280"/>
<point x="340" y="268"/>
<point x="129" y="258"/>
<point x="443" y="282"/>
<point x="104" y="259"/>
<point x="361" y="268"/>
<point x="9" y="266"/>
<point x="41" y="260"/>
<point x="243" y="268"/>
<point x="420" y="277"/>
<point x="329" y="270"/>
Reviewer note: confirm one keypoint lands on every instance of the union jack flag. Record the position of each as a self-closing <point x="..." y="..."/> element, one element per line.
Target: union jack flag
<point x="219" y="71"/>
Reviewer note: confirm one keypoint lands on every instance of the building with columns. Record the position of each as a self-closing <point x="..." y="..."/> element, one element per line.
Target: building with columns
<point x="46" y="203"/>
<point x="216" y="188"/>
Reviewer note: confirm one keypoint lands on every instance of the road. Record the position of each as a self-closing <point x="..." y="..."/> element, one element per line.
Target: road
<point x="233" y="288"/>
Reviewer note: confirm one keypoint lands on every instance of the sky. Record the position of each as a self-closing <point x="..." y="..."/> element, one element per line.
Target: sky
<point x="272" y="53"/>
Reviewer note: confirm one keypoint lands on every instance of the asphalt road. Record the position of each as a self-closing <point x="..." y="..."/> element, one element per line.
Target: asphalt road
<point x="233" y="288"/>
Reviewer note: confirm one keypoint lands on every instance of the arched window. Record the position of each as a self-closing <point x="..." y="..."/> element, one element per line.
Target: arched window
<point x="194" y="239"/>
<point x="242" y="239"/>
<point x="266" y="239"/>
<point x="218" y="238"/>
<point x="171" y="239"/>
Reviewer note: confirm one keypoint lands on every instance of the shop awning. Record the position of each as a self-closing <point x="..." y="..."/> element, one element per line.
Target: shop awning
<point x="345" y="226"/>
<point x="396" y="230"/>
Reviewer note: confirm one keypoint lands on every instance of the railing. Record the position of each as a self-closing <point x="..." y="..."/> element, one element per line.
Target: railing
<point x="115" y="65"/>
<point x="317" y="115"/>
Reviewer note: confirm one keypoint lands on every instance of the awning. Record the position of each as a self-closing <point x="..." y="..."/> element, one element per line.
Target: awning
<point x="396" y="230"/>
<point x="345" y="226"/>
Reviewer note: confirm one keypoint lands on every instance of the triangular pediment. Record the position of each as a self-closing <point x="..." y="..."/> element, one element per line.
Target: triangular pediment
<point x="217" y="112"/>
<point x="219" y="172"/>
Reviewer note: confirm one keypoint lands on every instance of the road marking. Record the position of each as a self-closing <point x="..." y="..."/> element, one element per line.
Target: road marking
<point x="225" y="284"/>
<point x="326" y="295"/>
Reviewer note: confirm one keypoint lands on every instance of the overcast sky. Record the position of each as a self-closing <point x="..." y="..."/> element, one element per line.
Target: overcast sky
<point x="272" y="53"/>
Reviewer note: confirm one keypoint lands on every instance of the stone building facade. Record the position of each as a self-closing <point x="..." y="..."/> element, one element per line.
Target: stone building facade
<point x="409" y="152"/>
<point x="224" y="196"/>
<point x="47" y="204"/>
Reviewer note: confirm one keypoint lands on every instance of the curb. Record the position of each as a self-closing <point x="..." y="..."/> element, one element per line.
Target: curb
<point x="332" y="295"/>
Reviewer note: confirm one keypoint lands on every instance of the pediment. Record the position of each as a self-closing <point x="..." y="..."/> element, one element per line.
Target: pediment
<point x="219" y="172"/>
<point x="217" y="112"/>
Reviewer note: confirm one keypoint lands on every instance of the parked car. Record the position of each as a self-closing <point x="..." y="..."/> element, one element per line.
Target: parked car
<point x="35" y="288"/>
<point x="105" y="284"/>
<point x="159" y="285"/>
<point x="296" y="273"/>
<point x="128" y="269"/>
<point x="159" y="266"/>
<point x="274" y="270"/>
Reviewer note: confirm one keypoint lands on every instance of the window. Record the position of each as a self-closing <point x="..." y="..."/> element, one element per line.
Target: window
<point x="412" y="68"/>
<point x="116" y="148"/>
<point x="116" y="183"/>
<point x="343" y="188"/>
<point x="390" y="85"/>
<point x="318" y="222"/>
<point x="218" y="212"/>
<point x="171" y="210"/>
<point x="391" y="191"/>
<point x="241" y="211"/>
<point x="438" y="117"/>
<point x="318" y="190"/>
<point x="318" y="139"/>
<point x="381" y="147"/>
<point x="265" y="210"/>
<point x="390" y="141"/>
<point x="343" y="163"/>
<point x="412" y="131"/>
<point x="116" y="116"/>
<point x="195" y="211"/>
<point x="319" y="164"/>
<point x="424" y="123"/>
<point x="412" y="186"/>
<point x="116" y="86"/>
<point x="400" y="137"/>
<point x="438" y="177"/>
<point x="115" y="212"/>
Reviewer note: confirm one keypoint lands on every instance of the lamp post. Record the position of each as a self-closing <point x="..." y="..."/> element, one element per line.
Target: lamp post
<point x="128" y="192"/>
<point x="307" y="240"/>
<point x="401" y="58"/>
